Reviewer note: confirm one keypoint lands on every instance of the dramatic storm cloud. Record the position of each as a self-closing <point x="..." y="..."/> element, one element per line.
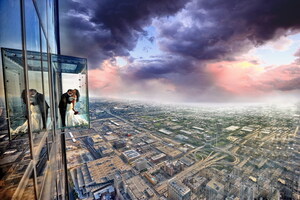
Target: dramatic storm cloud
<point x="221" y="29"/>
<point x="109" y="28"/>
<point x="193" y="50"/>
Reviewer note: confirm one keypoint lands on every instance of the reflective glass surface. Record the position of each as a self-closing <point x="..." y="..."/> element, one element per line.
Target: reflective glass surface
<point x="45" y="79"/>
<point x="67" y="81"/>
<point x="68" y="84"/>
<point x="51" y="26"/>
<point x="42" y="11"/>
<point x="26" y="174"/>
<point x="14" y="85"/>
<point x="11" y="37"/>
<point x="73" y="97"/>
<point x="32" y="27"/>
<point x="42" y="156"/>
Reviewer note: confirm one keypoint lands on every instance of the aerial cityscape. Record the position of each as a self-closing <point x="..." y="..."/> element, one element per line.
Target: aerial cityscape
<point x="150" y="100"/>
<point x="137" y="150"/>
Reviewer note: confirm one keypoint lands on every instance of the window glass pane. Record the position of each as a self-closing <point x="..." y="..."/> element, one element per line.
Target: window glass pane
<point x="42" y="7"/>
<point x="3" y="124"/>
<point x="28" y="192"/>
<point x="15" y="155"/>
<point x="51" y="27"/>
<point x="45" y="67"/>
<point x="55" y="92"/>
<point x="39" y="107"/>
<point x="41" y="164"/>
<point x="32" y="27"/>
<point x="10" y="34"/>
<point x="73" y="98"/>
<point x="14" y="84"/>
<point x="60" y="175"/>
<point x="66" y="73"/>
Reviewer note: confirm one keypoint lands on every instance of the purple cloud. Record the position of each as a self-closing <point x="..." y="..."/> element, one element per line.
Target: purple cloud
<point x="107" y="28"/>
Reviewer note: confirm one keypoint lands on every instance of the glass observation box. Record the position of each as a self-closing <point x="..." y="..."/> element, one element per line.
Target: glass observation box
<point x="58" y="94"/>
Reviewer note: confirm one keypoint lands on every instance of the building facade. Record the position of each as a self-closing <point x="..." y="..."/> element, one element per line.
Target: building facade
<point x="33" y="78"/>
<point x="178" y="191"/>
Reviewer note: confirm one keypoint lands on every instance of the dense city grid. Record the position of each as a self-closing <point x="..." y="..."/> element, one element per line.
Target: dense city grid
<point x="211" y="151"/>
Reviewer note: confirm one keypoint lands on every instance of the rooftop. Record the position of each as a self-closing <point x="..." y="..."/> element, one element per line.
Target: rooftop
<point x="104" y="168"/>
<point x="182" y="189"/>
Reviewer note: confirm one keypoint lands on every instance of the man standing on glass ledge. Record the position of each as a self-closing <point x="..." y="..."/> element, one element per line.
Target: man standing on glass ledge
<point x="64" y="101"/>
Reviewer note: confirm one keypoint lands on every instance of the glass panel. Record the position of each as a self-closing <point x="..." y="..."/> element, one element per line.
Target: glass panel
<point x="14" y="154"/>
<point x="14" y="161"/>
<point x="60" y="175"/>
<point x="49" y="188"/>
<point x="66" y="73"/>
<point x="45" y="68"/>
<point x="10" y="34"/>
<point x="14" y="85"/>
<point x="41" y="164"/>
<point x="28" y="192"/>
<point x="51" y="27"/>
<point x="56" y="91"/>
<point x="3" y="124"/>
<point x="69" y="90"/>
<point x="73" y="98"/>
<point x="32" y="27"/>
<point x="38" y="106"/>
<point x="42" y="7"/>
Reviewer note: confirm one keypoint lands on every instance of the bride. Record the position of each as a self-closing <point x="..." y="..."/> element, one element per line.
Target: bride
<point x="72" y="117"/>
<point x="35" y="115"/>
<point x="36" y="121"/>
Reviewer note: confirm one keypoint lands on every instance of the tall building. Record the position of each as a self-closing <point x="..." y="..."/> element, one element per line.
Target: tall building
<point x="33" y="77"/>
<point x="178" y="191"/>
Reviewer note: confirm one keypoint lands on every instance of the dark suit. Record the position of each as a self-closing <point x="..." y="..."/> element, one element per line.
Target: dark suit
<point x="64" y="100"/>
<point x="39" y="100"/>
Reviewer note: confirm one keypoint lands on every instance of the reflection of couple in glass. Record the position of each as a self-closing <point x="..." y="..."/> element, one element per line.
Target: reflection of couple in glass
<point x="69" y="116"/>
<point x="38" y="112"/>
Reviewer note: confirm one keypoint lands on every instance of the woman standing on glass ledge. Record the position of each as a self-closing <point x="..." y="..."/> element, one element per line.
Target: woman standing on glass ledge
<point x="37" y="114"/>
<point x="72" y="116"/>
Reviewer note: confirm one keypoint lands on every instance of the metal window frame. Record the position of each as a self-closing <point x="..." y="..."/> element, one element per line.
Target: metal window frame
<point x="34" y="152"/>
<point x="56" y="151"/>
<point x="26" y="80"/>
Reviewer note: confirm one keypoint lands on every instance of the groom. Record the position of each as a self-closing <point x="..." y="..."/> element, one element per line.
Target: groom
<point x="64" y="100"/>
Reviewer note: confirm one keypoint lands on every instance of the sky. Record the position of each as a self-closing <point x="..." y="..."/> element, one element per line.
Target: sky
<point x="186" y="50"/>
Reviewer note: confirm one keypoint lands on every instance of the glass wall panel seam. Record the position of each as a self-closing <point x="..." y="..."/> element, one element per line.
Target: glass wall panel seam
<point x="5" y="96"/>
<point x="39" y="16"/>
<point x="23" y="182"/>
<point x="26" y="79"/>
<point x="44" y="179"/>
<point x="40" y="146"/>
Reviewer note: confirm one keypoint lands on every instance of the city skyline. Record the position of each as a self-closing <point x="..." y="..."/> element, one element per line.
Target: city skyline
<point x="186" y="51"/>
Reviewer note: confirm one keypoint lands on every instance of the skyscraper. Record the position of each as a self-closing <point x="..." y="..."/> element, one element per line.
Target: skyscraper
<point x="33" y="78"/>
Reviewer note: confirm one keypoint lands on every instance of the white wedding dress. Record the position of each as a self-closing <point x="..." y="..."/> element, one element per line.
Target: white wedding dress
<point x="72" y="119"/>
<point x="36" y="121"/>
